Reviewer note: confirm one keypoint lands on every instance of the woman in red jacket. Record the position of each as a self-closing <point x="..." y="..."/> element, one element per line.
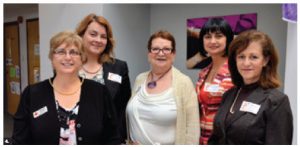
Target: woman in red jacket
<point x="214" y="79"/>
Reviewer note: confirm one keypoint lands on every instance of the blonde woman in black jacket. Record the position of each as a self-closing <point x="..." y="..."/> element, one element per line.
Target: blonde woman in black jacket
<point x="66" y="109"/>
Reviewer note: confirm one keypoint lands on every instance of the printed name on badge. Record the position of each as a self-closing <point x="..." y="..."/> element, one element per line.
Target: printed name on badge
<point x="249" y="107"/>
<point x="40" y="112"/>
<point x="211" y="87"/>
<point x="114" y="77"/>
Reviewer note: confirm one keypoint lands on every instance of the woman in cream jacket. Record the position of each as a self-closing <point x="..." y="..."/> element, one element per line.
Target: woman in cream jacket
<point x="163" y="108"/>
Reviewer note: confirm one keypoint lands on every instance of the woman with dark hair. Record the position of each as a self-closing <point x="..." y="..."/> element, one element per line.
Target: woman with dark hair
<point x="201" y="59"/>
<point x="102" y="66"/>
<point x="214" y="79"/>
<point x="254" y="111"/>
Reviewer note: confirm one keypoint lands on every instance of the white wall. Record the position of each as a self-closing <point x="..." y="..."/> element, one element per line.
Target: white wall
<point x="130" y="25"/>
<point x="11" y="13"/>
<point x="55" y="18"/>
<point x="291" y="72"/>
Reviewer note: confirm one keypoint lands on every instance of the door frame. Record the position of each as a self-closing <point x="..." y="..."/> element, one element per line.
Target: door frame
<point x="4" y="63"/>
<point x="27" y="45"/>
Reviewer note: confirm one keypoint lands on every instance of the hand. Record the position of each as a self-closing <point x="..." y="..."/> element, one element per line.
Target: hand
<point x="130" y="142"/>
<point x="192" y="61"/>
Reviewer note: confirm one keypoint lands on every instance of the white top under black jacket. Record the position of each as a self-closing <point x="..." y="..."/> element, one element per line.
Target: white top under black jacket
<point x="95" y="124"/>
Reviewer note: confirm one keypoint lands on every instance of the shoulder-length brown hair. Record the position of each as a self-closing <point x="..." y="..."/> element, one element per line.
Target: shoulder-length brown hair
<point x="269" y="76"/>
<point x="108" y="54"/>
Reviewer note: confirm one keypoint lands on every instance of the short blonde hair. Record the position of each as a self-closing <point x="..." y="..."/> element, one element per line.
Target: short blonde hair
<point x="68" y="37"/>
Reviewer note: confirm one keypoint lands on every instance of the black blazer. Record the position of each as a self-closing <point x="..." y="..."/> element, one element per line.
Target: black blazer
<point x="120" y="92"/>
<point x="96" y="120"/>
<point x="273" y="123"/>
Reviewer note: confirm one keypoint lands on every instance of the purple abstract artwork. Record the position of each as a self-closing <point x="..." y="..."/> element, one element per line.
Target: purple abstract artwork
<point x="289" y="12"/>
<point x="238" y="22"/>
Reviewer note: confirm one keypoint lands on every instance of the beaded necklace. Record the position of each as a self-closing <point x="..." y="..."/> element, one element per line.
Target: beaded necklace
<point x="152" y="83"/>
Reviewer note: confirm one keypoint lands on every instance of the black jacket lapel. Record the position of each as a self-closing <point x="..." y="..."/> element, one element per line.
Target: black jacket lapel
<point x="256" y="97"/>
<point x="112" y="86"/>
<point x="224" y="110"/>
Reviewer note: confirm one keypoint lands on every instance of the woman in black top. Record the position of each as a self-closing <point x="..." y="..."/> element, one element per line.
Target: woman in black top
<point x="254" y="111"/>
<point x="65" y="109"/>
<point x="101" y="65"/>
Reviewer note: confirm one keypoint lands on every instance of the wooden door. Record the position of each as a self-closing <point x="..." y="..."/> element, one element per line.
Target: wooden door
<point x="33" y="51"/>
<point x="12" y="80"/>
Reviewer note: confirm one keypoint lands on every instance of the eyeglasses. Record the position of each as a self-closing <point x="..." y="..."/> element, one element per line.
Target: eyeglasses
<point x="62" y="52"/>
<point x="164" y="50"/>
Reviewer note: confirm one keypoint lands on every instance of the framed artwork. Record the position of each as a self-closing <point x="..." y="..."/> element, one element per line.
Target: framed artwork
<point x="238" y="23"/>
<point x="289" y="12"/>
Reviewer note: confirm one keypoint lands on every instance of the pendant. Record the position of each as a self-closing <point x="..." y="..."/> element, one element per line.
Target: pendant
<point x="151" y="85"/>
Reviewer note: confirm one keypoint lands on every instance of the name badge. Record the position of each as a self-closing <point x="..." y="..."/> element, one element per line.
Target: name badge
<point x="114" y="77"/>
<point x="249" y="107"/>
<point x="211" y="87"/>
<point x="40" y="112"/>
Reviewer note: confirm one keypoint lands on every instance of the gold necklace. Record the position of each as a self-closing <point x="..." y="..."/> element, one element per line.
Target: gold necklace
<point x="63" y="93"/>
<point x="89" y="72"/>
<point x="232" y="105"/>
